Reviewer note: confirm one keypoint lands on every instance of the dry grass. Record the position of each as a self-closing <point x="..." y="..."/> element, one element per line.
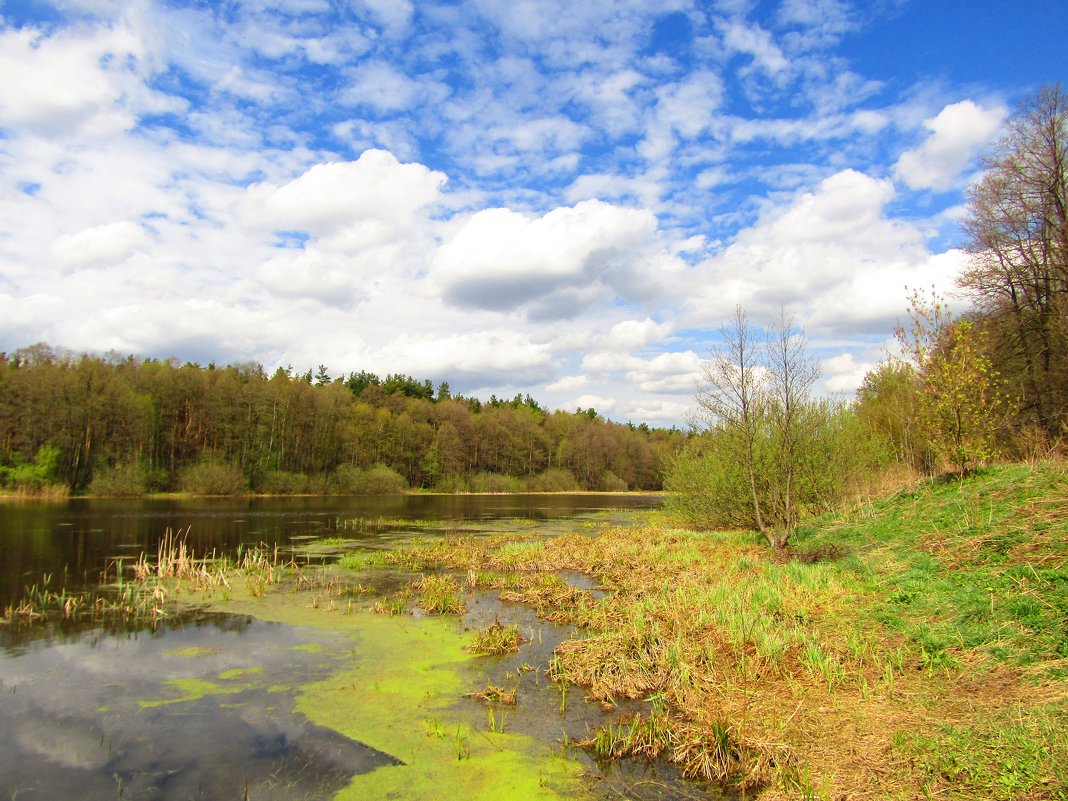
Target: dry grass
<point x="799" y="677"/>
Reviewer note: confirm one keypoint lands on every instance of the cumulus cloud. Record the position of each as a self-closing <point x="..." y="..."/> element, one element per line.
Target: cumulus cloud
<point x="101" y="244"/>
<point x="956" y="134"/>
<point x="50" y="84"/>
<point x="832" y="254"/>
<point x="635" y="334"/>
<point x="478" y="359"/>
<point x="330" y="197"/>
<point x="843" y="373"/>
<point x="501" y="259"/>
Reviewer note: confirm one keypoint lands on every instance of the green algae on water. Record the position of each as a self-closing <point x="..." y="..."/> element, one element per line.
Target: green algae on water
<point x="401" y="692"/>
<point x="192" y="689"/>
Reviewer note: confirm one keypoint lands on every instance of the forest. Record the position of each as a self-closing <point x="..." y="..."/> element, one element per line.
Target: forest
<point x="121" y="425"/>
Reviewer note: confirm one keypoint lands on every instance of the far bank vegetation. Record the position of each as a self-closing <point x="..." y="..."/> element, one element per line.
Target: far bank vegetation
<point x="122" y="426"/>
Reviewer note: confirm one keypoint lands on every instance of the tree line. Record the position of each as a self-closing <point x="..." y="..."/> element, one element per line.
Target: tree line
<point x="989" y="383"/>
<point x="124" y="425"/>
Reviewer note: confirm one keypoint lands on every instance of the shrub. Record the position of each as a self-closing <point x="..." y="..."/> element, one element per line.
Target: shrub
<point x="555" y="479"/>
<point x="377" y="480"/>
<point x="456" y="484"/>
<point x="41" y="478"/>
<point x="610" y="482"/>
<point x="283" y="482"/>
<point x="119" y="481"/>
<point x="213" y="478"/>
<point x="495" y="483"/>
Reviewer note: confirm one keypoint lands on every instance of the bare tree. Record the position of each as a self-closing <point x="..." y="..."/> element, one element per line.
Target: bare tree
<point x="791" y="375"/>
<point x="756" y="393"/>
<point x="733" y="395"/>
<point x="1018" y="238"/>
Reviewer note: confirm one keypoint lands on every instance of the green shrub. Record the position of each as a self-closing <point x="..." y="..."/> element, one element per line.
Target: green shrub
<point x="555" y="479"/>
<point x="495" y="482"/>
<point x="41" y="477"/>
<point x="213" y="478"/>
<point x="283" y="482"/>
<point x="456" y="484"/>
<point x="610" y="482"/>
<point x="377" y="480"/>
<point x="120" y="481"/>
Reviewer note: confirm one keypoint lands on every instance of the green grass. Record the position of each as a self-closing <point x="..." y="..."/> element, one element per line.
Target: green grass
<point x="977" y="567"/>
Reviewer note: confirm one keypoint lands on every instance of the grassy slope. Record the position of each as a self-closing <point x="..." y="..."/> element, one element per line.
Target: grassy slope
<point x="917" y="645"/>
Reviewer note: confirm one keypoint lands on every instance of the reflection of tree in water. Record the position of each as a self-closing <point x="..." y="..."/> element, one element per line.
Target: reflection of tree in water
<point x="15" y="637"/>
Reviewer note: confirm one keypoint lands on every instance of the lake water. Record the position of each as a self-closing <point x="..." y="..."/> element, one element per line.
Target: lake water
<point x="202" y="706"/>
<point x="73" y="542"/>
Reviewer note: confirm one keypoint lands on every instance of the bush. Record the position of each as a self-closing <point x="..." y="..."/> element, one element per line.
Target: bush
<point x="119" y="481"/>
<point x="840" y="459"/>
<point x="555" y="479"/>
<point x="377" y="480"/>
<point x="495" y="483"/>
<point x="41" y="478"/>
<point x="213" y="478"/>
<point x="610" y="482"/>
<point x="457" y="484"/>
<point x="283" y="482"/>
<point x="707" y="489"/>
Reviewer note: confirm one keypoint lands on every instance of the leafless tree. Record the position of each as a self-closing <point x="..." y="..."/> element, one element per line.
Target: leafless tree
<point x="791" y="375"/>
<point x="756" y="393"/>
<point x="1017" y="228"/>
<point x="734" y="395"/>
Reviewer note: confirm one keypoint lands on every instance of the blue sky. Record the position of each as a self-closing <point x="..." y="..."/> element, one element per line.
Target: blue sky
<point x="566" y="199"/>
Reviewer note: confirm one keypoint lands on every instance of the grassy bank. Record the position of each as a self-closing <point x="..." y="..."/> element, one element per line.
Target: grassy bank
<point x="915" y="646"/>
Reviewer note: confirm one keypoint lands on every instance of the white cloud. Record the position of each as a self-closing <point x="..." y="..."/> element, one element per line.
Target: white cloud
<point x="635" y="334"/>
<point x="655" y="412"/>
<point x="754" y="41"/>
<point x="101" y="244"/>
<point x="73" y="80"/>
<point x="383" y="87"/>
<point x="957" y="133"/>
<point x="843" y="373"/>
<point x="501" y="259"/>
<point x="482" y="358"/>
<point x="673" y="373"/>
<point x="330" y="197"/>
<point x="601" y="404"/>
<point x="831" y="254"/>
<point x="568" y="383"/>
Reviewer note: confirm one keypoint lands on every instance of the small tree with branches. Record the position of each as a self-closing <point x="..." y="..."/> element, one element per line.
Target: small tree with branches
<point x="959" y="405"/>
<point x="756" y="397"/>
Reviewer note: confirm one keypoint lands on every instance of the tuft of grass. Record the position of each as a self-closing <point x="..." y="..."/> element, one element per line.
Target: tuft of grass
<point x="496" y="639"/>
<point x="495" y="695"/>
<point x="440" y="595"/>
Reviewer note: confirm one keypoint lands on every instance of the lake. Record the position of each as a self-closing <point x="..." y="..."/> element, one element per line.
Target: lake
<point x="212" y="705"/>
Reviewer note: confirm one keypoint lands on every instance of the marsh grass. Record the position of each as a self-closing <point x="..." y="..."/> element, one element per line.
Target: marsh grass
<point x="912" y="645"/>
<point x="440" y="595"/>
<point x="496" y="639"/>
<point x="148" y="590"/>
